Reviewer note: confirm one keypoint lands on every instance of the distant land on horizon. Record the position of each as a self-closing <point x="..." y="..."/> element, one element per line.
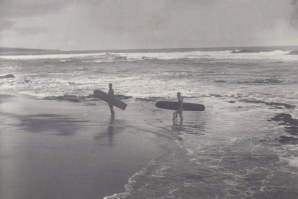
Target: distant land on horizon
<point x="17" y="51"/>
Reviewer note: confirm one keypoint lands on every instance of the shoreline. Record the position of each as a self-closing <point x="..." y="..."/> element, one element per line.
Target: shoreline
<point x="60" y="150"/>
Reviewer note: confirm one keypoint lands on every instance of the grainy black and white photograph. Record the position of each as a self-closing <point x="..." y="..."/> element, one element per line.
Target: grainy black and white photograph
<point x="148" y="99"/>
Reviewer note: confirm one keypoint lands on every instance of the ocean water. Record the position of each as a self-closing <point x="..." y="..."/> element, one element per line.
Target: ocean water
<point x="244" y="145"/>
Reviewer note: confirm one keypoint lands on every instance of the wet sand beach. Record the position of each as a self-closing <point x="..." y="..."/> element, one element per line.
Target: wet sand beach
<point x="58" y="149"/>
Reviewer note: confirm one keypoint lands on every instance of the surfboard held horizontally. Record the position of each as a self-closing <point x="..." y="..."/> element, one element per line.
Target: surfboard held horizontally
<point x="169" y="105"/>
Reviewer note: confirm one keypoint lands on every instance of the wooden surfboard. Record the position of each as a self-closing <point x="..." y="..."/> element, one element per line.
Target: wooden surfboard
<point x="169" y="105"/>
<point x="105" y="97"/>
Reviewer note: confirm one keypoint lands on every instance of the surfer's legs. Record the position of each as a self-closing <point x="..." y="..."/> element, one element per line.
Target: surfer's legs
<point x="181" y="119"/>
<point x="175" y="118"/>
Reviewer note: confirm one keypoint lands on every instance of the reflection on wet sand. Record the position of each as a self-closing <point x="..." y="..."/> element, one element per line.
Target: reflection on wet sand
<point x="36" y="163"/>
<point x="111" y="130"/>
<point x="109" y="133"/>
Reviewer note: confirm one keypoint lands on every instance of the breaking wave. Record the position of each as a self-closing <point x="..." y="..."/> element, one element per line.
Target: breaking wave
<point x="249" y="51"/>
<point x="145" y="56"/>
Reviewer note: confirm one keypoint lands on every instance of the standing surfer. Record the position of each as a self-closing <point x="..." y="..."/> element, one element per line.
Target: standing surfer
<point x="178" y="111"/>
<point x="111" y="99"/>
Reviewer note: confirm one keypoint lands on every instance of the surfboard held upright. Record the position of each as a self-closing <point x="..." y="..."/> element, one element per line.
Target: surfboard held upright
<point x="105" y="97"/>
<point x="169" y="105"/>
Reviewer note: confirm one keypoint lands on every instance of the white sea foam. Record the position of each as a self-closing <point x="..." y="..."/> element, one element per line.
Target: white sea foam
<point x="225" y="54"/>
<point x="65" y="60"/>
<point x="125" y="56"/>
<point x="190" y="151"/>
<point x="293" y="162"/>
<point x="128" y="186"/>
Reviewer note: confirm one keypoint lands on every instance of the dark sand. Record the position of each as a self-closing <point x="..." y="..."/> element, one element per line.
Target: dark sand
<point x="64" y="150"/>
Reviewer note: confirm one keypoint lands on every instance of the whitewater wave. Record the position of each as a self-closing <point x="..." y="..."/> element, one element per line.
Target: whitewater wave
<point x="249" y="51"/>
<point x="145" y="56"/>
<point x="209" y="55"/>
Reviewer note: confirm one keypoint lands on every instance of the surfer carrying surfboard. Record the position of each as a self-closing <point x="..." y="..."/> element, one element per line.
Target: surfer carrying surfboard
<point x="111" y="99"/>
<point x="178" y="111"/>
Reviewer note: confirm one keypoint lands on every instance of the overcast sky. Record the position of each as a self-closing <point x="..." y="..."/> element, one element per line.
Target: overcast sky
<point x="128" y="24"/>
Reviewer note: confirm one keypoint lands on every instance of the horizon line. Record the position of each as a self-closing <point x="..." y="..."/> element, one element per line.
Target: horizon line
<point x="142" y="49"/>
